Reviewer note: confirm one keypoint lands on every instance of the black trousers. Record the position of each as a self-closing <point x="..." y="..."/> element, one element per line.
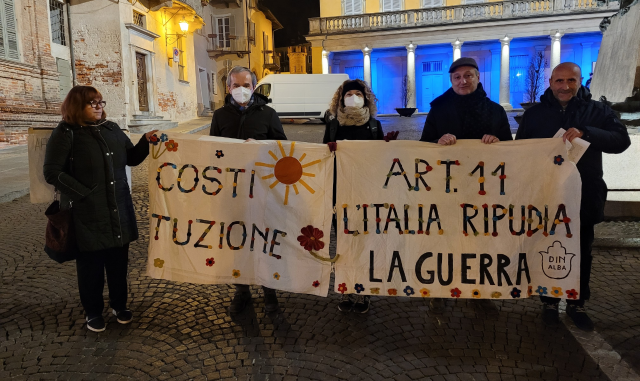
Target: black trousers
<point x="91" y="267"/>
<point x="586" y="244"/>
<point x="244" y="288"/>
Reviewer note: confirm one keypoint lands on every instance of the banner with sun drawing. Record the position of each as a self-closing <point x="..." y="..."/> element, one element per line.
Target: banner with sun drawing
<point x="465" y="221"/>
<point x="225" y="211"/>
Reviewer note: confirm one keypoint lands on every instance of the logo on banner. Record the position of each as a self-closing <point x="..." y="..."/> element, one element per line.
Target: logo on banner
<point x="556" y="262"/>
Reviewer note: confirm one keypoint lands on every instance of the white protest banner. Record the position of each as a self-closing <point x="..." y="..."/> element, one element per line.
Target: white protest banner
<point x="226" y="211"/>
<point x="469" y="220"/>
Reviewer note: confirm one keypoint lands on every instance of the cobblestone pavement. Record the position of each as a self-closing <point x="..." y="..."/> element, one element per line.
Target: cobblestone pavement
<point x="182" y="331"/>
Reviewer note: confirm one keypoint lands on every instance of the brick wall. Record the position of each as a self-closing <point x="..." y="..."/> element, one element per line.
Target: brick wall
<point x="29" y="90"/>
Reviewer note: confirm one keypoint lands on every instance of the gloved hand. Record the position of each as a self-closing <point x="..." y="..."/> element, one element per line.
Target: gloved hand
<point x="393" y="135"/>
<point x="333" y="146"/>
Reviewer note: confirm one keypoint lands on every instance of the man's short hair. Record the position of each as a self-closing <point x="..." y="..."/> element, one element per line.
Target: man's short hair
<point x="242" y="69"/>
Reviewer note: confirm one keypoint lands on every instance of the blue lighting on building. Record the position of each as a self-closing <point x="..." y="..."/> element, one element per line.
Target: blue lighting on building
<point x="389" y="66"/>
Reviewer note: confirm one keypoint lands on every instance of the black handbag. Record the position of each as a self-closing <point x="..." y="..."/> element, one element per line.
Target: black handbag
<point x="60" y="240"/>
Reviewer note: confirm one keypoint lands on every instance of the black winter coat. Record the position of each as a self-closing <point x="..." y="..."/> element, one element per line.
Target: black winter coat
<point x="353" y="132"/>
<point x="600" y="127"/>
<point x="96" y="181"/>
<point x="258" y="121"/>
<point x="466" y="117"/>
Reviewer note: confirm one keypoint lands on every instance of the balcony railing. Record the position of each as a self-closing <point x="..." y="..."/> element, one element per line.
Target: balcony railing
<point x="272" y="62"/>
<point x="456" y="14"/>
<point x="230" y="45"/>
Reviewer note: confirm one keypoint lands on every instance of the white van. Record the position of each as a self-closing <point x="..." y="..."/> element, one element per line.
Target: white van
<point x="300" y="95"/>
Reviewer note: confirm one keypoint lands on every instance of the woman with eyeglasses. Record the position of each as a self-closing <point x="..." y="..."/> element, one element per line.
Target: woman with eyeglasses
<point x="85" y="160"/>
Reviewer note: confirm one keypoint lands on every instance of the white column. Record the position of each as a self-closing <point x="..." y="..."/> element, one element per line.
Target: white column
<point x="325" y="62"/>
<point x="367" y="65"/>
<point x="411" y="75"/>
<point x="457" y="46"/>
<point x="505" y="87"/>
<point x="555" y="49"/>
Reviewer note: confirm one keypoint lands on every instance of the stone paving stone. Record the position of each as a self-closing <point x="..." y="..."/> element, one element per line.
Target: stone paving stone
<point x="183" y="331"/>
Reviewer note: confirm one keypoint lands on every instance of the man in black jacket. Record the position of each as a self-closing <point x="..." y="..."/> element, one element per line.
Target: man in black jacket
<point x="245" y="115"/>
<point x="464" y="111"/>
<point x="566" y="104"/>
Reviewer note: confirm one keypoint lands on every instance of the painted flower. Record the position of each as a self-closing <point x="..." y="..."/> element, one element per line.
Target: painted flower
<point x="496" y="294"/>
<point x="475" y="293"/>
<point x="315" y="283"/>
<point x="515" y="293"/>
<point x="164" y="138"/>
<point x="359" y="288"/>
<point x="210" y="262"/>
<point x="171" y="145"/>
<point x="558" y="160"/>
<point x="154" y="139"/>
<point x="455" y="292"/>
<point x="408" y="290"/>
<point x="529" y="290"/>
<point x="158" y="263"/>
<point x="375" y="291"/>
<point x="219" y="153"/>
<point x="235" y="273"/>
<point x="276" y="276"/>
<point x="392" y="291"/>
<point x="541" y="290"/>
<point x="425" y="293"/>
<point x="310" y="238"/>
<point x="572" y="294"/>
<point x="556" y="291"/>
<point x="342" y="288"/>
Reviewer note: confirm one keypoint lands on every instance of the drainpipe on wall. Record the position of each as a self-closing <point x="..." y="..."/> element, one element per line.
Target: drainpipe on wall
<point x="246" y="7"/>
<point x="71" y="56"/>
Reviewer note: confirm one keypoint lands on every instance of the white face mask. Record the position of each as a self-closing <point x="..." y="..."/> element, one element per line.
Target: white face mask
<point x="241" y="94"/>
<point x="354" y="101"/>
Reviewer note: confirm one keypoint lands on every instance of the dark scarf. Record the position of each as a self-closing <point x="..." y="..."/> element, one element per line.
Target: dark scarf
<point x="475" y="113"/>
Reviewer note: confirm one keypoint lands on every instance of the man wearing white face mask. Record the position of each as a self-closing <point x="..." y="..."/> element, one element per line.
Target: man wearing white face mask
<point x="245" y="115"/>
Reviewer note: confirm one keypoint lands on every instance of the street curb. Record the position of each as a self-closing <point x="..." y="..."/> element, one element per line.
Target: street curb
<point x="616" y="242"/>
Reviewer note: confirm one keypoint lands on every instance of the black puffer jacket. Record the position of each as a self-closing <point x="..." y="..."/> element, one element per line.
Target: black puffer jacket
<point x="466" y="117"/>
<point x="601" y="128"/>
<point x="96" y="182"/>
<point x="258" y="121"/>
<point x="353" y="132"/>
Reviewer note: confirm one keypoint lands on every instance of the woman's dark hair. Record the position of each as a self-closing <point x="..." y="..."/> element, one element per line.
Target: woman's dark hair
<point x="76" y="101"/>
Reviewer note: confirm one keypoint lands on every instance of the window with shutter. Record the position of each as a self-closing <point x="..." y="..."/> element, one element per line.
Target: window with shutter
<point x="353" y="7"/>
<point x="432" y="3"/>
<point x="8" y="31"/>
<point x="226" y="31"/>
<point x="391" y="5"/>
<point x="474" y="1"/>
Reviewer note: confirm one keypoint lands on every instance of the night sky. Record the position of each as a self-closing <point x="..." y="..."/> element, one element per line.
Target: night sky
<point x="294" y="16"/>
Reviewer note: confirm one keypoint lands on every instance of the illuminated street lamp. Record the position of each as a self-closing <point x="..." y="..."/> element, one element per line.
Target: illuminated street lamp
<point x="184" y="26"/>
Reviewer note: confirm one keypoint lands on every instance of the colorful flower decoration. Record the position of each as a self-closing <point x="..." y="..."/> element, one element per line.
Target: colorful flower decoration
<point x="164" y="138"/>
<point x="315" y="283"/>
<point x="342" y="288"/>
<point x="235" y="273"/>
<point x="219" y="153"/>
<point x="425" y="293"/>
<point x="392" y="291"/>
<point x="310" y="238"/>
<point x="375" y="291"/>
<point x="171" y="145"/>
<point x="408" y="290"/>
<point x="558" y="160"/>
<point x="475" y="293"/>
<point x="556" y="291"/>
<point x="496" y="294"/>
<point x="276" y="276"/>
<point x="541" y="290"/>
<point x="359" y="288"/>
<point x="572" y="294"/>
<point x="210" y="262"/>
<point x="153" y="139"/>
<point x="515" y="293"/>
<point x="455" y="293"/>
<point x="158" y="263"/>
<point x="529" y="290"/>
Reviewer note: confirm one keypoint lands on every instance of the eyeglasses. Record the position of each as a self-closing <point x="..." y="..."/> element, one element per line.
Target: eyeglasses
<point x="95" y="104"/>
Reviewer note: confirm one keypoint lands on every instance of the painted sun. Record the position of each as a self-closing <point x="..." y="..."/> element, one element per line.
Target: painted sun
<point x="288" y="171"/>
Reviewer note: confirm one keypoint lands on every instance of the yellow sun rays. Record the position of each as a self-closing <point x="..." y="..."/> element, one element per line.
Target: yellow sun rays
<point x="289" y="171"/>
